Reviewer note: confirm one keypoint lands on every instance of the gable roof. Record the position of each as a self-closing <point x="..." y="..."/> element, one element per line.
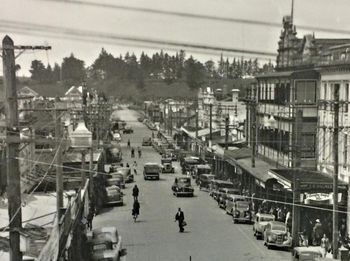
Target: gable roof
<point x="74" y="90"/>
<point x="27" y="92"/>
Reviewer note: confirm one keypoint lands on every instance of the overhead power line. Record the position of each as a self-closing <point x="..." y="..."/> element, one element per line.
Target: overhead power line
<point x="31" y="27"/>
<point x="197" y="16"/>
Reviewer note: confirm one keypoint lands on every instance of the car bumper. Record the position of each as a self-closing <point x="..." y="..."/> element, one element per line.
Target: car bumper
<point x="167" y="170"/>
<point x="114" y="202"/>
<point x="279" y="245"/>
<point x="151" y="177"/>
<point x="243" y="220"/>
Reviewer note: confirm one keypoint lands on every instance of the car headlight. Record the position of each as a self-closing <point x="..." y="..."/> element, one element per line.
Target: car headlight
<point x="285" y="237"/>
<point x="274" y="237"/>
<point x="237" y="213"/>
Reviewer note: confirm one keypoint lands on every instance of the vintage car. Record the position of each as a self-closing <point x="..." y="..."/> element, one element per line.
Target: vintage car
<point x="128" y="130"/>
<point x="116" y="179"/>
<point x="242" y="211"/>
<point x="151" y="171"/>
<point x="105" y="244"/>
<point x="126" y="172"/>
<point x="231" y="199"/>
<point x="216" y="185"/>
<point x="199" y="170"/>
<point x="310" y="253"/>
<point x="224" y="193"/>
<point x="182" y="187"/>
<point x="260" y="221"/>
<point x="113" y="154"/>
<point x="167" y="166"/>
<point x="170" y="153"/>
<point x="114" y="196"/>
<point x="276" y="234"/>
<point x="189" y="163"/>
<point x="146" y="141"/>
<point x="204" y="181"/>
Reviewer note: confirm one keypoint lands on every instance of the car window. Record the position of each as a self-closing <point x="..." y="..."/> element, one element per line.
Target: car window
<point x="278" y="227"/>
<point x="264" y="219"/>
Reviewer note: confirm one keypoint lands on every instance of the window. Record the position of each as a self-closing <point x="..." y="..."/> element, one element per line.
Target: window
<point x="325" y="92"/>
<point x="305" y="91"/>
<point x="308" y="142"/>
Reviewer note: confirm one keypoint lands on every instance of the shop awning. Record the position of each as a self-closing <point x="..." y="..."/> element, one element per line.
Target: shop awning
<point x="313" y="181"/>
<point x="260" y="171"/>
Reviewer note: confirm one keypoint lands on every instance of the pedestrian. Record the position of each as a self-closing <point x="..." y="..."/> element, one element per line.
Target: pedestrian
<point x="127" y="165"/>
<point x="152" y="135"/>
<point x="89" y="219"/>
<point x="139" y="151"/>
<point x="132" y="152"/>
<point x="324" y="245"/>
<point x="122" y="164"/>
<point x="128" y="143"/>
<point x="180" y="218"/>
<point x="136" y="210"/>
<point x="135" y="192"/>
<point x="317" y="233"/>
<point x="134" y="165"/>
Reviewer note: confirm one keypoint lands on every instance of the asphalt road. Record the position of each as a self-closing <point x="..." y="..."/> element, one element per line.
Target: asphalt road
<point x="210" y="234"/>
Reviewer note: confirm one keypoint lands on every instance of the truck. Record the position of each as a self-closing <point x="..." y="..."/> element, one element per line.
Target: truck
<point x="151" y="171"/>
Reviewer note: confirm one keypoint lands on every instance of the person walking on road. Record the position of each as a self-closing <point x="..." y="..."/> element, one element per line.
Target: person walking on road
<point x="134" y="165"/>
<point x="139" y="151"/>
<point x="132" y="152"/>
<point x="135" y="192"/>
<point x="136" y="210"/>
<point x="180" y="218"/>
<point x="128" y="143"/>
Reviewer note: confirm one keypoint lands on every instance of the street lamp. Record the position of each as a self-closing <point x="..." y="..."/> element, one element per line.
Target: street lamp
<point x="81" y="140"/>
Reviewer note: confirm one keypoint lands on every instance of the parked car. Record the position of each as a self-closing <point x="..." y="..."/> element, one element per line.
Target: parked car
<point x="147" y="141"/>
<point x="242" y="212"/>
<point x="310" y="253"/>
<point x="151" y="171"/>
<point x="260" y="222"/>
<point x="224" y="193"/>
<point x="140" y="119"/>
<point x="105" y="244"/>
<point x="230" y="203"/>
<point x="114" y="195"/>
<point x="116" y="179"/>
<point x="170" y="153"/>
<point x="189" y="164"/>
<point x="201" y="169"/>
<point x="276" y="234"/>
<point x="182" y="186"/>
<point x="216" y="185"/>
<point x="204" y="181"/>
<point x="167" y="166"/>
<point x="128" y="130"/>
<point x="126" y="172"/>
<point x="117" y="136"/>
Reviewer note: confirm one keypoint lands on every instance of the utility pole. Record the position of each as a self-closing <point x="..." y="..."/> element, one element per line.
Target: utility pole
<point x="254" y="127"/>
<point x="13" y="173"/>
<point x="226" y="132"/>
<point x="210" y="122"/>
<point x="59" y="178"/>
<point x="336" y="170"/>
<point x="197" y="124"/>
<point x="296" y="166"/>
<point x="171" y="120"/>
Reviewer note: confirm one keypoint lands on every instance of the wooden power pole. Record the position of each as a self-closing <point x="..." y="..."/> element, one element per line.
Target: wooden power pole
<point x="226" y="132"/>
<point x="210" y="122"/>
<point x="59" y="178"/>
<point x="13" y="135"/>
<point x="13" y="173"/>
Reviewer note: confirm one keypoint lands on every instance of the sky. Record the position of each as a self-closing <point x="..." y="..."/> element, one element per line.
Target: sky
<point x="18" y="16"/>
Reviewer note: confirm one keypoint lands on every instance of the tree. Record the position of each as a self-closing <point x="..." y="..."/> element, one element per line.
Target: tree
<point x="56" y="73"/>
<point x="73" y="70"/>
<point x="37" y="70"/>
<point x="104" y="66"/>
<point x="195" y="73"/>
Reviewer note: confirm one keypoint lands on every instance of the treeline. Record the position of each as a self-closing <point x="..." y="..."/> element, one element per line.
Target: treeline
<point x="160" y="65"/>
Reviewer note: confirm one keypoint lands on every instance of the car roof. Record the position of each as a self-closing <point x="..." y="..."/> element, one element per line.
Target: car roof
<point x="208" y="175"/>
<point x="203" y="166"/>
<point x="277" y="223"/>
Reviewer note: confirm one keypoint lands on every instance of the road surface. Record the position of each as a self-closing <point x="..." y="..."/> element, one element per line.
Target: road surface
<point x="210" y="234"/>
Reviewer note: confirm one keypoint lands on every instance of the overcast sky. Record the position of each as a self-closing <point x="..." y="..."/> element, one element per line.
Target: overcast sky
<point x="113" y="21"/>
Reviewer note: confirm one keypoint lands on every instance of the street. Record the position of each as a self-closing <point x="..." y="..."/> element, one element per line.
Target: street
<point x="210" y="233"/>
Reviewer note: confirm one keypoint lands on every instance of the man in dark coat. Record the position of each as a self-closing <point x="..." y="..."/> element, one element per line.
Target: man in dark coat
<point x="135" y="192"/>
<point x="179" y="217"/>
<point x="136" y="210"/>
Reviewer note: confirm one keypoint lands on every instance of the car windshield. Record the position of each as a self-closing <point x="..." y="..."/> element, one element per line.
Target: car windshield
<point x="152" y="168"/>
<point x="278" y="227"/>
<point x="264" y="219"/>
<point x="242" y="204"/>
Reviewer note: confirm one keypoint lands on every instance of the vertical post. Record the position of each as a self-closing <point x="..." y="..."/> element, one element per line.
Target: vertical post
<point x="296" y="166"/>
<point x="336" y="167"/>
<point x="211" y="122"/>
<point x="196" y="123"/>
<point x="226" y="132"/>
<point x="13" y="173"/>
<point x="254" y="125"/>
<point x="171" y="120"/>
<point x="83" y="174"/>
<point x="98" y="123"/>
<point x="59" y="179"/>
